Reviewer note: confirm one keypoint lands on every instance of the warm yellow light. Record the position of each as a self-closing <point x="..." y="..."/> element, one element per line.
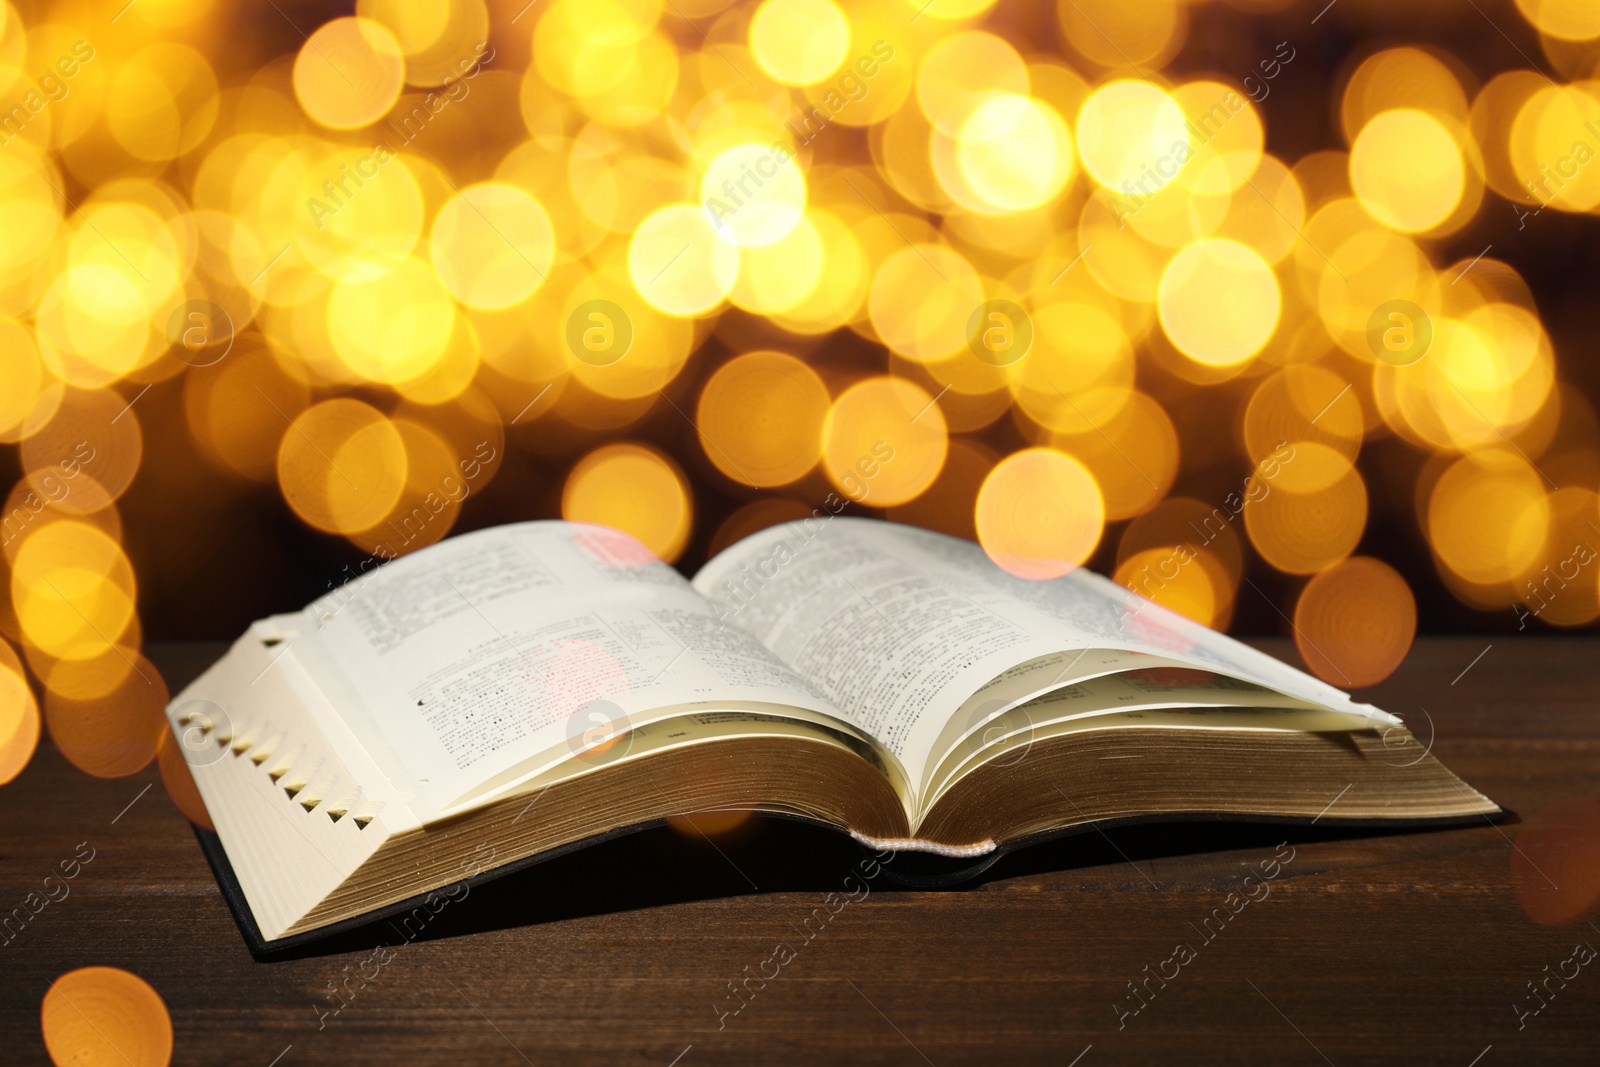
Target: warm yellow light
<point x="19" y="715"/>
<point x="349" y="73"/>
<point x="1354" y="622"/>
<point x="72" y="590"/>
<point x="1407" y="170"/>
<point x="754" y="193"/>
<point x="680" y="263"/>
<point x="1132" y="137"/>
<point x="760" y="418"/>
<point x="392" y="326"/>
<point x="634" y="489"/>
<point x="1571" y="20"/>
<point x="799" y="42"/>
<point x="1219" y="302"/>
<point x="1015" y="152"/>
<point x="342" y="465"/>
<point x="884" y="441"/>
<point x="492" y="245"/>
<point x="98" y="1015"/>
<point x="1039" y="513"/>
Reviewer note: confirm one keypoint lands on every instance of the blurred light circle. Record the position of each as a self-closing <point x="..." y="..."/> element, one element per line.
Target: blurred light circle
<point x="491" y="245"/>
<point x="1399" y="332"/>
<point x="799" y="42"/>
<point x="1354" y="622"/>
<point x="680" y="262"/>
<point x="1305" y="509"/>
<point x="72" y="589"/>
<point x="1555" y="862"/>
<point x="1126" y="127"/>
<point x="921" y="299"/>
<point x="391" y="326"/>
<point x="1219" y="302"/>
<point x="760" y="418"/>
<point x="341" y="465"/>
<point x="599" y="332"/>
<point x="754" y="193"/>
<point x="1014" y="152"/>
<point x="1191" y="583"/>
<point x="635" y="489"/>
<point x="442" y="40"/>
<point x="1113" y="33"/>
<point x="19" y="715"/>
<point x="178" y="781"/>
<point x="960" y="71"/>
<point x="200" y="332"/>
<point x="999" y="332"/>
<point x="1552" y="165"/>
<point x="116" y="734"/>
<point x="1570" y="20"/>
<point x="105" y="1015"/>
<point x="238" y="410"/>
<point x="349" y="72"/>
<point x="1407" y="170"/>
<point x="162" y="101"/>
<point x="783" y="275"/>
<point x="884" y="441"/>
<point x="1488" y="517"/>
<point x="1039" y="513"/>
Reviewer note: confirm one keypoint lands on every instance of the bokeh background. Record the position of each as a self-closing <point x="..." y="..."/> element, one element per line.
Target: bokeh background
<point x="1279" y="312"/>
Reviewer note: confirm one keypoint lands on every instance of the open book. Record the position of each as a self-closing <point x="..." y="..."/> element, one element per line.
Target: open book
<point x="512" y="692"/>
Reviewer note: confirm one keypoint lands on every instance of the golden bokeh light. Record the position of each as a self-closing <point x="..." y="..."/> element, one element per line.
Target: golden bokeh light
<point x="1039" y="513"/>
<point x="636" y="490"/>
<point x="1125" y="130"/>
<point x="884" y="441"/>
<point x="349" y="73"/>
<point x="1354" y="622"/>
<point x="1307" y="508"/>
<point x="436" y="37"/>
<point x="19" y="715"/>
<point x="1219" y="302"/>
<point x="105" y="1015"/>
<point x="1407" y="170"/>
<point x="1014" y="152"/>
<point x="178" y="781"/>
<point x="754" y="194"/>
<point x="921" y="299"/>
<point x="115" y="734"/>
<point x="342" y="465"/>
<point x="760" y="418"/>
<point x="72" y="589"/>
<point x="680" y="262"/>
<point x="1028" y="277"/>
<point x="1572" y="20"/>
<point x="1555" y="862"/>
<point x="162" y="102"/>
<point x="1489" y="516"/>
<point x="1193" y="584"/>
<point x="799" y="42"/>
<point x="492" y="244"/>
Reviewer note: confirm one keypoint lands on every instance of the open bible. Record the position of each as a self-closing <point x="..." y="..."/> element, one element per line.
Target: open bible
<point x="517" y="691"/>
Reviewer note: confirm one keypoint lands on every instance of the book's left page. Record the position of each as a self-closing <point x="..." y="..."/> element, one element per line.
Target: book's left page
<point x="492" y="656"/>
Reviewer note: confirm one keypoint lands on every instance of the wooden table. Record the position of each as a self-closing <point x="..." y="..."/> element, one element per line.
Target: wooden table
<point x="1405" y="949"/>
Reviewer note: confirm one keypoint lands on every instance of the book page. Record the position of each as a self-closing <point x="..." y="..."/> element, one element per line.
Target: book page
<point x="456" y="664"/>
<point x="1139" y="689"/>
<point x="899" y="626"/>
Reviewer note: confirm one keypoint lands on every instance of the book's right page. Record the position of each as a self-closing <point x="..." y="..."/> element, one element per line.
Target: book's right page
<point x="900" y="627"/>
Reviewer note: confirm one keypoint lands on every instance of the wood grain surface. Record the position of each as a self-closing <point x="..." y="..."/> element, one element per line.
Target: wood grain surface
<point x="1408" y="948"/>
